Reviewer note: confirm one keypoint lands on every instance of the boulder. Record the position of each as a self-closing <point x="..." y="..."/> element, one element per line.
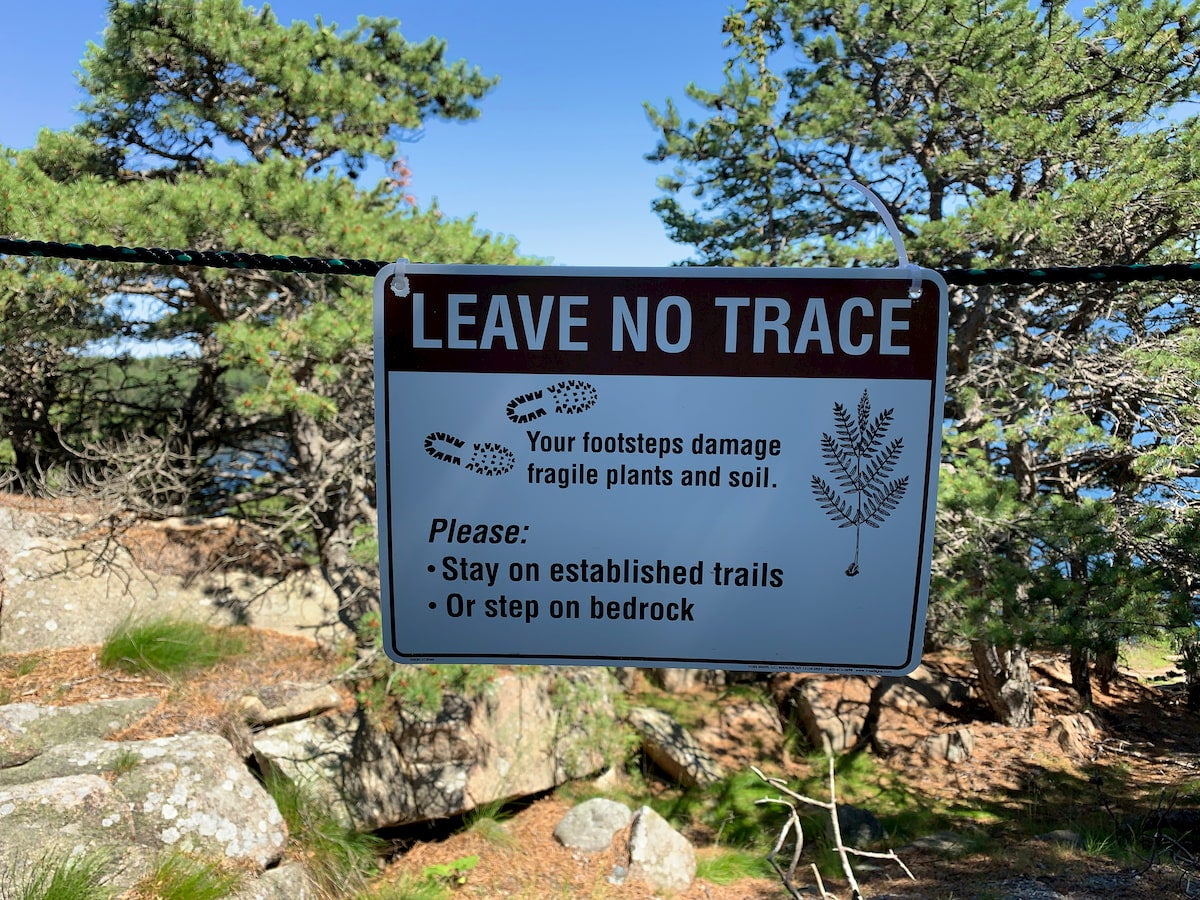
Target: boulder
<point x="28" y="729"/>
<point x="658" y="854"/>
<point x="23" y="532"/>
<point x="132" y="800"/>
<point x="951" y="746"/>
<point x="590" y="826"/>
<point x="522" y="736"/>
<point x="686" y="681"/>
<point x="673" y="749"/>
<point x="313" y="753"/>
<point x="57" y="596"/>
<point x="924" y="688"/>
<point x="825" y="721"/>
<point x="289" y="881"/>
<point x="833" y="710"/>
<point x="1076" y="734"/>
<point x="82" y="606"/>
<point x="859" y="827"/>
<point x="275" y="705"/>
<point x="746" y="730"/>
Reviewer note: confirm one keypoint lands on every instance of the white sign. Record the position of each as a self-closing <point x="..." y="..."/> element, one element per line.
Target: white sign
<point x="711" y="468"/>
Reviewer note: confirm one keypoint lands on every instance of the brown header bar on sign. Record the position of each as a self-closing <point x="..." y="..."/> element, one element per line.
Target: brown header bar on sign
<point x="630" y="325"/>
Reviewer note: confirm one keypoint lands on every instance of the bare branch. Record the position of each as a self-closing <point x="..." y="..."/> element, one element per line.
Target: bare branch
<point x="792" y="824"/>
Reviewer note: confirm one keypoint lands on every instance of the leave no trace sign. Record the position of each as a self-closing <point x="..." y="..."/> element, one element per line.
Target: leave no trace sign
<point x="714" y="468"/>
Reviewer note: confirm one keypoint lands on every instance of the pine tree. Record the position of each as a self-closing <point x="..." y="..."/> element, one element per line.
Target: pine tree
<point x="999" y="133"/>
<point x="212" y="126"/>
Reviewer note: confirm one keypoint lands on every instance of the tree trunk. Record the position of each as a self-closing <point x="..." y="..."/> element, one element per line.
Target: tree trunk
<point x="353" y="585"/>
<point x="1189" y="661"/>
<point x="1105" y="667"/>
<point x="869" y="735"/>
<point x="337" y="485"/>
<point x="1005" y="682"/>
<point x="1081" y="676"/>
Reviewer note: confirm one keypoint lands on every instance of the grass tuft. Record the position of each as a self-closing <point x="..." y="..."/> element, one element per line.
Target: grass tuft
<point x="408" y="887"/>
<point x="177" y="876"/>
<point x="729" y="809"/>
<point x="488" y="821"/>
<point x="124" y="761"/>
<point x="337" y="857"/>
<point x="728" y="866"/>
<point x="165" y="645"/>
<point x="65" y="878"/>
<point x="436" y="882"/>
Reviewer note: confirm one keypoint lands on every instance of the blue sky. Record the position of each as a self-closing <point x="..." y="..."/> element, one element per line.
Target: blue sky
<point x="556" y="159"/>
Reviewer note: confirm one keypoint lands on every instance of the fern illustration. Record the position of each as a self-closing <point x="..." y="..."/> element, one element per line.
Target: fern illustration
<point x="861" y="463"/>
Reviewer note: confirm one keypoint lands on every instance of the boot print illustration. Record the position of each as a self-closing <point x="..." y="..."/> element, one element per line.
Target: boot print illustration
<point x="486" y="458"/>
<point x="570" y="397"/>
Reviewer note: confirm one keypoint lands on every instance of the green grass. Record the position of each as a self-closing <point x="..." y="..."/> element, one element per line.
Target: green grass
<point x="728" y="866"/>
<point x="180" y="877"/>
<point x="164" y="645"/>
<point x="436" y="882"/>
<point x="862" y="781"/>
<point x="487" y="821"/>
<point x="1151" y="655"/>
<point x="59" y="878"/>
<point x="728" y="810"/>
<point x="682" y="708"/>
<point x="730" y="819"/>
<point x="408" y="887"/>
<point x="337" y="857"/>
<point x="125" y="761"/>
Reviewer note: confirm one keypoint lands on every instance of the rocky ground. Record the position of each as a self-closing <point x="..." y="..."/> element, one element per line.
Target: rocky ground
<point x="1014" y="783"/>
<point x="1101" y="807"/>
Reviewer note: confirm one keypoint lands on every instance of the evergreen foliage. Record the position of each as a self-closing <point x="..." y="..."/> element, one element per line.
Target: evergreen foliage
<point x="999" y="133"/>
<point x="214" y="126"/>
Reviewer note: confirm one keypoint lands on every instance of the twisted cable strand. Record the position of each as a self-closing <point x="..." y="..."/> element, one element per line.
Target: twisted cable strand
<point x="313" y="265"/>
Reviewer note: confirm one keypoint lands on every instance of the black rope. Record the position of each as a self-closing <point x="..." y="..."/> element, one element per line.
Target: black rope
<point x="219" y="259"/>
<point x="313" y="265"/>
<point x="1075" y="274"/>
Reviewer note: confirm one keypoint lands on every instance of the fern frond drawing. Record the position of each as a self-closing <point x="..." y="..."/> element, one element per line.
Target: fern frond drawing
<point x="861" y="461"/>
